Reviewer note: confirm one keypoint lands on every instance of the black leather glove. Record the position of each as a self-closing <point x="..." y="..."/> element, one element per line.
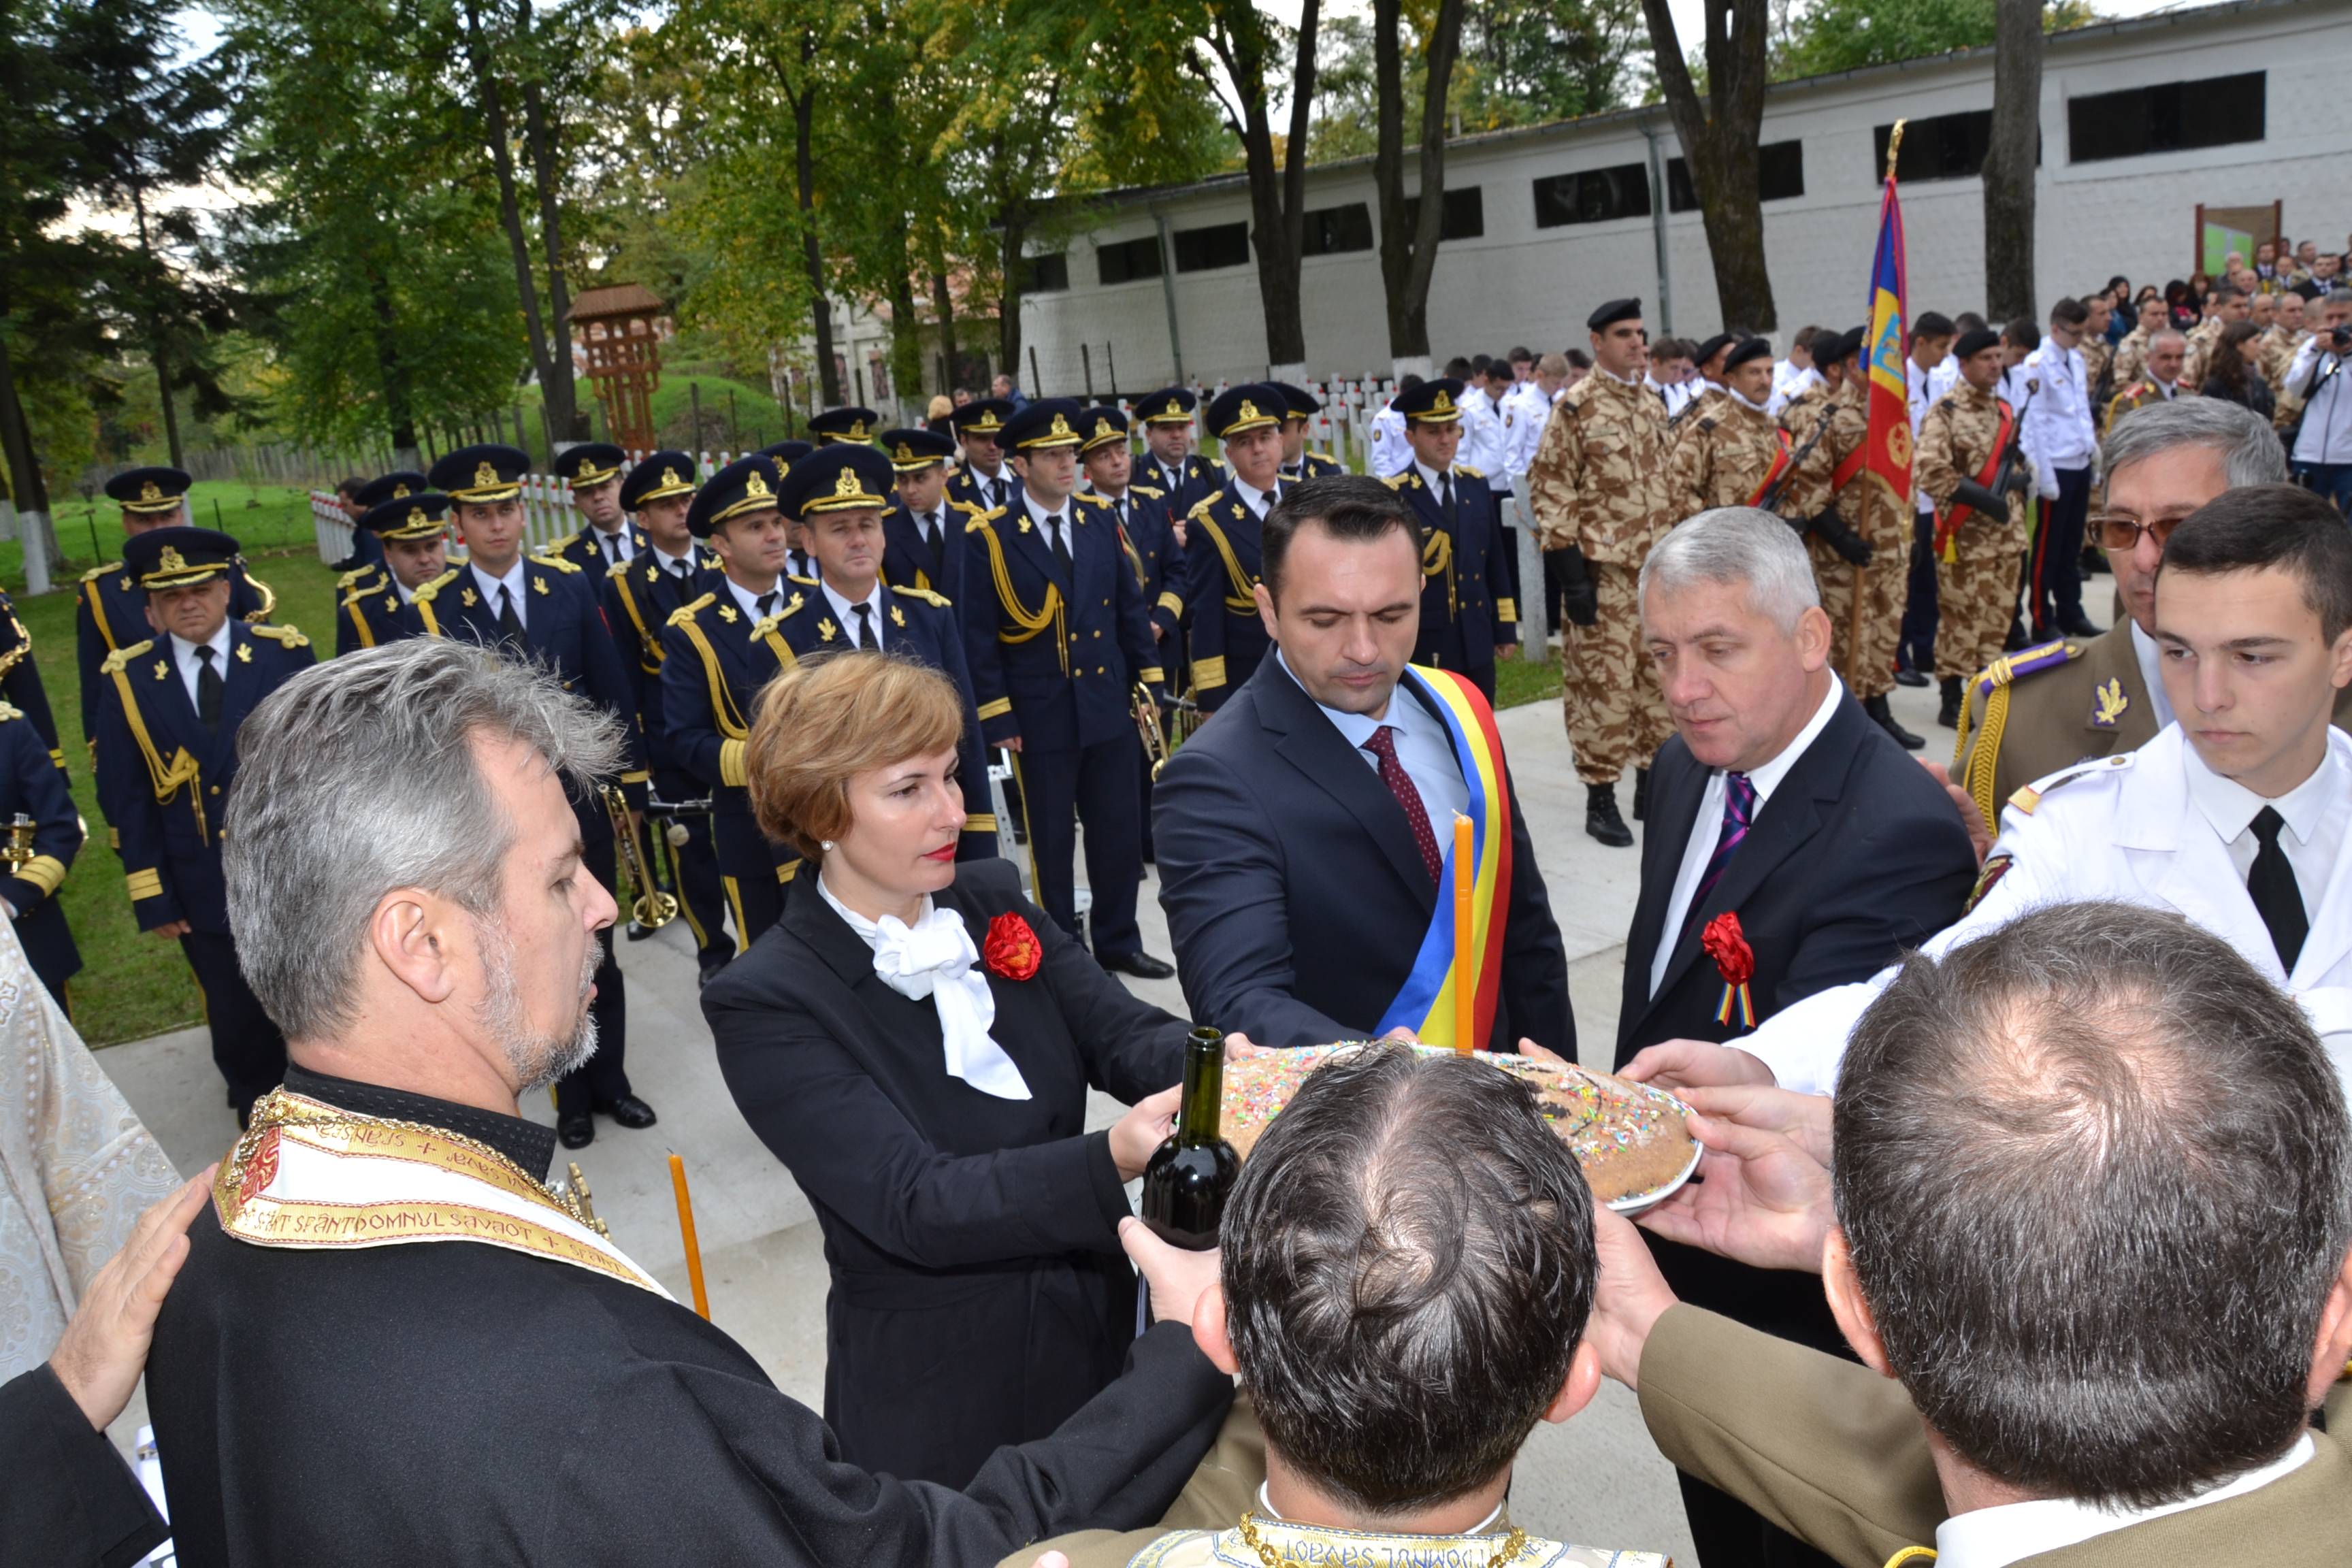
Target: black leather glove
<point x="1841" y="538"/>
<point x="2017" y="477"/>
<point x="1579" y="601"/>
<point x="1969" y="493"/>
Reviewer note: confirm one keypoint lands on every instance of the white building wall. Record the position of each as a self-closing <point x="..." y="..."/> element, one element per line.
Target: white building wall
<point x="1520" y="284"/>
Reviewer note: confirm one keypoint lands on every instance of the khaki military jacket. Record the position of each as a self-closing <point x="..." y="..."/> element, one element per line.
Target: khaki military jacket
<point x="1835" y="1454"/>
<point x="2096" y="355"/>
<point x="2131" y="356"/>
<point x="1720" y="457"/>
<point x="2139" y="394"/>
<point x="2201" y="339"/>
<point x="1808" y="492"/>
<point x="1956" y="439"/>
<point x="2279" y="348"/>
<point x="1602" y="478"/>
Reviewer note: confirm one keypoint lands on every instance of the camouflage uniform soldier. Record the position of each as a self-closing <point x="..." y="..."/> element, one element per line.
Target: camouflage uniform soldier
<point x="2285" y="337"/>
<point x="1729" y="452"/>
<point x="1602" y="491"/>
<point x="1982" y="531"/>
<point x="1828" y="424"/>
<point x="2131" y="354"/>
<point x="2158" y="380"/>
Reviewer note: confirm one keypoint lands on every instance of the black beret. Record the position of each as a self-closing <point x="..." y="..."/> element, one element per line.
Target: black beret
<point x="590" y="463"/>
<point x="1976" y="342"/>
<point x="661" y="475"/>
<point x="484" y="473"/>
<point x="1613" y="313"/>
<point x="175" y="557"/>
<point x="1713" y="346"/>
<point x="1753" y="349"/>
<point x="148" y="490"/>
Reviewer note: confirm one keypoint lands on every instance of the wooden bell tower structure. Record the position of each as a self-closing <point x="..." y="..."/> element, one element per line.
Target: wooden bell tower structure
<point x="615" y="330"/>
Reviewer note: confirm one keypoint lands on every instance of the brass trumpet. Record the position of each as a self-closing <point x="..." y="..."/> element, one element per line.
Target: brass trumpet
<point x="654" y="908"/>
<point x="19" y="850"/>
<point x="1155" y="743"/>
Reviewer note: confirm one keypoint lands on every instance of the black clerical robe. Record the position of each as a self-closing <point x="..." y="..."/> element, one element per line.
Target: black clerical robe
<point x="435" y="1402"/>
<point x="67" y="1500"/>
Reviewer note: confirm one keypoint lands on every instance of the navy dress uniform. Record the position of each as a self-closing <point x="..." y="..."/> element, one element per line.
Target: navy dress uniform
<point x="20" y="681"/>
<point x="1058" y="641"/>
<point x="911" y="623"/>
<point x="112" y="608"/>
<point x="922" y="552"/>
<point x="559" y="626"/>
<point x="591" y="549"/>
<point x="167" y="720"/>
<point x="638" y="601"/>
<point x="367" y="548"/>
<point x="715" y="658"/>
<point x="786" y="453"/>
<point x="38" y="857"/>
<point x="1147" y="535"/>
<point x="1305" y="406"/>
<point x="1221" y="560"/>
<point x="846" y="424"/>
<point x="1468" y="610"/>
<point x="369" y="612"/>
<point x="1189" y="481"/>
<point x="968" y="487"/>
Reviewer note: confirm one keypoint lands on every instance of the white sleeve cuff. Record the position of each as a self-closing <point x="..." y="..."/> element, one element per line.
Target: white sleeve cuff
<point x="1804" y="1044"/>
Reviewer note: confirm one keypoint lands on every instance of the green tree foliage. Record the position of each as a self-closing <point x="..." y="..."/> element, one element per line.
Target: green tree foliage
<point x="1845" y="35"/>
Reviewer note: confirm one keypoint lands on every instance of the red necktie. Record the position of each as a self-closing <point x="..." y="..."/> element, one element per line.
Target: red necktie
<point x="1383" y="745"/>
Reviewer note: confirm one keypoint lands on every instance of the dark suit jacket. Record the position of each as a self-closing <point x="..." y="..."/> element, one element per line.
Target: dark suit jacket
<point x="1295" y="895"/>
<point x="31" y="783"/>
<point x="588" y="553"/>
<point x="907" y="560"/>
<point x="70" y="1501"/>
<point x="980" y="1295"/>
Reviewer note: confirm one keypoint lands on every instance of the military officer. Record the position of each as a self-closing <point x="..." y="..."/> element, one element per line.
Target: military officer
<point x="606" y="540"/>
<point x="786" y="453"/>
<point x="546" y="608"/>
<point x="20" y="681"/>
<point x="415" y="533"/>
<point x="715" y="658"/>
<point x="39" y="853"/>
<point x="1730" y="453"/>
<point x="982" y="480"/>
<point x="840" y="496"/>
<point x="368" y="548"/>
<point x="1979" y="532"/>
<point x="1298" y="462"/>
<point x="1467" y="616"/>
<point x="2131" y="354"/>
<point x="923" y="534"/>
<point x="1058" y="641"/>
<point x="1707" y="359"/>
<point x="2285" y="338"/>
<point x="168" y="710"/>
<point x="846" y="424"/>
<point x="1220" y="559"/>
<point x="111" y="609"/>
<point x="638" y="601"/>
<point x="1148" y="538"/>
<point x="2159" y="378"/>
<point x="1170" y="464"/>
<point x="1601" y="489"/>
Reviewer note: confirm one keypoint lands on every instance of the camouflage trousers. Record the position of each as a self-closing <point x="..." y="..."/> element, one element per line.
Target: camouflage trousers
<point x="1615" y="711"/>
<point x="1882" y="586"/>
<point x="1976" y="599"/>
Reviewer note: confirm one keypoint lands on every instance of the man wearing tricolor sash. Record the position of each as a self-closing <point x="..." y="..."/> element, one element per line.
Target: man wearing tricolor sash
<point x="1312" y="839"/>
<point x="392" y="1342"/>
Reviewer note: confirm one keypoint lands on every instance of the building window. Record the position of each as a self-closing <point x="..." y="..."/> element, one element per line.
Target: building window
<point x="1331" y="230"/>
<point x="1940" y="147"/>
<point x="1464" y="217"/>
<point x="1779" y="174"/>
<point x="2170" y="117"/>
<point x="1045" y="274"/>
<point x="1203" y="249"/>
<point x="1128" y="261"/>
<point x="1592" y="195"/>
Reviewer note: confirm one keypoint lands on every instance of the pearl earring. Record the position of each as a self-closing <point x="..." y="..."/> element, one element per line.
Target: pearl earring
<point x="825" y="844"/>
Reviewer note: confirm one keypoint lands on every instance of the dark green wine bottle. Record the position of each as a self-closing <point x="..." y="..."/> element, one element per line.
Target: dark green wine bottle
<point x="1186" y="1183"/>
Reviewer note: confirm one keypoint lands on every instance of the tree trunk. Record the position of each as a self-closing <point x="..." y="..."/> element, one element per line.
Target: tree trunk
<point x="1278" y="218"/>
<point x="399" y="410"/>
<point x="2009" y="159"/>
<point x="32" y="492"/>
<point x="828" y="375"/>
<point x="157" y="354"/>
<point x="943" y="305"/>
<point x="906" y="340"/>
<point x="1015" y="229"/>
<point x="1719" y="140"/>
<point x="492" y="107"/>
<point x="1408" y="260"/>
<point x="541" y="135"/>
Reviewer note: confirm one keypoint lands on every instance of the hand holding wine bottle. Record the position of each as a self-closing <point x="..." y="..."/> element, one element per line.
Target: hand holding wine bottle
<point x="1188" y="1176"/>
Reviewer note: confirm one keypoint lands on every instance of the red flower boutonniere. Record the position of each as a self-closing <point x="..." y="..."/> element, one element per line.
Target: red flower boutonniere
<point x="1012" y="948"/>
<point x="1723" y="941"/>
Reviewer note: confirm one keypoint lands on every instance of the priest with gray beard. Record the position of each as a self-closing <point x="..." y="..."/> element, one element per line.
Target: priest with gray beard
<point x="392" y="1344"/>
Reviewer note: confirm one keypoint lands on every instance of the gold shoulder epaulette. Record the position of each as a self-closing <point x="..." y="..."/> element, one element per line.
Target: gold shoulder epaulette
<point x="557" y="561"/>
<point x="119" y="659"/>
<point x="1468" y="472"/>
<point x="95" y="573"/>
<point x="352" y="576"/>
<point x="964" y="506"/>
<point x="803" y="582"/>
<point x="286" y="636"/>
<point x="979" y="518"/>
<point x="1201" y="507"/>
<point x="432" y="590"/>
<point x="1399" y="482"/>
<point x="925" y="594"/>
<point x="1147" y="491"/>
<point x="685" y="613"/>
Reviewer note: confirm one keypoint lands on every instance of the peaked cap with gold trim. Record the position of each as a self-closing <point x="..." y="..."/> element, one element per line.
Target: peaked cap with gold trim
<point x="844" y="477"/>
<point x="659" y="476"/>
<point x="1045" y="423"/>
<point x="418" y="516"/>
<point x="913" y="449"/>
<point x="745" y="486"/>
<point x="176" y="557"/>
<point x="479" y="474"/>
<point x="1253" y="405"/>
<point x="148" y="490"/>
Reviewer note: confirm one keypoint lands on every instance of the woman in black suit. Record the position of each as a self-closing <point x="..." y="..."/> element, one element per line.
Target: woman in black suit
<point x="915" y="1041"/>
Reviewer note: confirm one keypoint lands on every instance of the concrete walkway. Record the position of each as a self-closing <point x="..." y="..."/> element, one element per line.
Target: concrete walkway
<point x="1597" y="1481"/>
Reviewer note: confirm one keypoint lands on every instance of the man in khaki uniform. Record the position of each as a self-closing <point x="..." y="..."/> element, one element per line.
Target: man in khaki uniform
<point x="2159" y="378"/>
<point x="2227" y="305"/>
<point x="2004" y="1408"/>
<point x="1981" y="534"/>
<point x="1828" y="423"/>
<point x="2098" y="354"/>
<point x="2131" y="354"/>
<point x="1602" y="490"/>
<point x="1727" y="454"/>
<point x="2287" y="335"/>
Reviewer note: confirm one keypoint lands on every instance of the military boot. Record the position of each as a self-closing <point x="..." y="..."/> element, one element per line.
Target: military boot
<point x="1948" y="715"/>
<point x="1601" y="819"/>
<point x="1641" y="794"/>
<point x="1884" y="717"/>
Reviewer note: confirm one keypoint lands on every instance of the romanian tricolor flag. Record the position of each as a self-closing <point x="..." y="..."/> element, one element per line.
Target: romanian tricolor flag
<point x="1889" y="441"/>
<point x="1425" y="1003"/>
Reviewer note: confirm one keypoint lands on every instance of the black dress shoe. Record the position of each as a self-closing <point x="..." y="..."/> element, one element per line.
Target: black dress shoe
<point x="630" y="1113"/>
<point x="1884" y="717"/>
<point x="575" y="1131"/>
<point x="2077" y="624"/>
<point x="1601" y="819"/>
<point x="1641" y="794"/>
<point x="1911" y="678"/>
<point x="1140" y="963"/>
<point x="1954" y="698"/>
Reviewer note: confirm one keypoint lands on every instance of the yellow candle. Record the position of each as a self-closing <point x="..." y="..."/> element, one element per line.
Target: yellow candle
<point x="686" y="1229"/>
<point x="1466" y="962"/>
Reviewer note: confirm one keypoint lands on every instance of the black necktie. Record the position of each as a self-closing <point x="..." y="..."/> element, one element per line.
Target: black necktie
<point x="677" y="570"/>
<point x="1061" y="545"/>
<point x="1447" y="503"/>
<point x="2270" y="883"/>
<point x="865" y="637"/>
<point x="509" y="623"/>
<point x="208" y="688"/>
<point x="612" y="548"/>
<point x="936" y="537"/>
<point x="766" y="603"/>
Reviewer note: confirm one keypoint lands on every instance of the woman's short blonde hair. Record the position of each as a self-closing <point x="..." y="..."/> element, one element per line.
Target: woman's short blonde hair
<point x="827" y="720"/>
<point x="941" y="406"/>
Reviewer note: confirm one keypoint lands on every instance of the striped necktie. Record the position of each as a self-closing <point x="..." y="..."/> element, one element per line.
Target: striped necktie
<point x="1738" y="816"/>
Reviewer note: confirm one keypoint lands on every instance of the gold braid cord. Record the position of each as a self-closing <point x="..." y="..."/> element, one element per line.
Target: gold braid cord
<point x="1241" y="601"/>
<point x="1974" y="759"/>
<point x="165" y="777"/>
<point x="1048" y="613"/>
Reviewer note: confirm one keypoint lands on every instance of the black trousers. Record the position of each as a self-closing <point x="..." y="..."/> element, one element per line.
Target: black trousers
<point x="1098" y="782"/>
<point x="1917" y="648"/>
<point x="604" y="1078"/>
<point x="2057" y="593"/>
<point x="702" y="897"/>
<point x="757" y="903"/>
<point x="1482" y="676"/>
<point x="247" y="1046"/>
<point x="1143" y="775"/>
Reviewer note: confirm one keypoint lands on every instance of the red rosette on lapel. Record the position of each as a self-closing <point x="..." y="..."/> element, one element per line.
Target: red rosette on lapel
<point x="1012" y="948"/>
<point x="1724" y="942"/>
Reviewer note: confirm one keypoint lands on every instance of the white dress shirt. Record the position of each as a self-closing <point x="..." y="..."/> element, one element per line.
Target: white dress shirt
<point x="750" y="601"/>
<point x="2151" y="672"/>
<point x="1996" y="1537"/>
<point x="618" y="547"/>
<point x="1524" y="413"/>
<point x="928" y="522"/>
<point x="184" y="653"/>
<point x="1049" y="520"/>
<point x="848" y="610"/>
<point x="1435" y="481"/>
<point x="515" y="584"/>
<point x="679" y="566"/>
<point x="1258" y="501"/>
<point x="1482" y="438"/>
<point x="2314" y="811"/>
<point x="1707" y="826"/>
<point x="992" y="491"/>
<point x="1425" y="749"/>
